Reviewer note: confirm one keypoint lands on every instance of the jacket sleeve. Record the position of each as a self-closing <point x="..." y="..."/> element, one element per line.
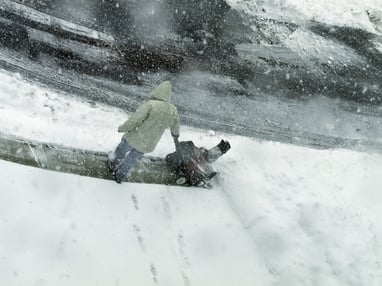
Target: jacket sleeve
<point x="136" y="119"/>
<point x="175" y="123"/>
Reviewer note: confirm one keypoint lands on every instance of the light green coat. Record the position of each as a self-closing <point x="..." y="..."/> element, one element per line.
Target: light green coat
<point x="146" y="126"/>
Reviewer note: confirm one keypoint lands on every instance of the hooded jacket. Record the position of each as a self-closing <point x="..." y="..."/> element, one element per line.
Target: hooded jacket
<point x="146" y="126"/>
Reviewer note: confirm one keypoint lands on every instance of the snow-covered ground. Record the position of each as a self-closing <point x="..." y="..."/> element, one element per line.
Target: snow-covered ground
<point x="353" y="13"/>
<point x="277" y="215"/>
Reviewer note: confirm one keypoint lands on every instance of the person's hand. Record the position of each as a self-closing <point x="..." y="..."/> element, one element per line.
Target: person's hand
<point x="224" y="146"/>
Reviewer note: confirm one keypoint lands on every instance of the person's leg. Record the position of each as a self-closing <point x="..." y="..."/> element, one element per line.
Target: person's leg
<point x="127" y="164"/>
<point x="119" y="154"/>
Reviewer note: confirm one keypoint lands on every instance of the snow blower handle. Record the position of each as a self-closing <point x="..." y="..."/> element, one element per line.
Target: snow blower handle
<point x="177" y="147"/>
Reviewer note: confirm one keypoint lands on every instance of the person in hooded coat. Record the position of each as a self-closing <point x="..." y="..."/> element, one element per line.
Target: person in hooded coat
<point x="143" y="130"/>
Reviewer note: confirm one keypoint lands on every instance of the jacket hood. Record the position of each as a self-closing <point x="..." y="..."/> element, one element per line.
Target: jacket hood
<point x="162" y="92"/>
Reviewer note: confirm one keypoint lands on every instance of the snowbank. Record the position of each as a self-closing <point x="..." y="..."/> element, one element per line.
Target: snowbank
<point x="351" y="13"/>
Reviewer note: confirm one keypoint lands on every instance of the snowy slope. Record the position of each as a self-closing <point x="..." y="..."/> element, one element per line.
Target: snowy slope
<point x="66" y="230"/>
<point x="278" y="214"/>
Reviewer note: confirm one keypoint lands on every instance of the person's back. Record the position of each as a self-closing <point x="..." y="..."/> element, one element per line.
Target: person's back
<point x="147" y="125"/>
<point x="143" y="130"/>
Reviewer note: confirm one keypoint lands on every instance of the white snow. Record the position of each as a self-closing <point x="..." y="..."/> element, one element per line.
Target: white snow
<point x="278" y="214"/>
<point x="314" y="47"/>
<point x="340" y="12"/>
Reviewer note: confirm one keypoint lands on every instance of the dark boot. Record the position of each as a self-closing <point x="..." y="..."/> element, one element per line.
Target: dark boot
<point x="116" y="179"/>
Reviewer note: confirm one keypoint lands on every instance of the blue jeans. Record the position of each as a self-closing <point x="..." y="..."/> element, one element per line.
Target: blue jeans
<point x="123" y="159"/>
